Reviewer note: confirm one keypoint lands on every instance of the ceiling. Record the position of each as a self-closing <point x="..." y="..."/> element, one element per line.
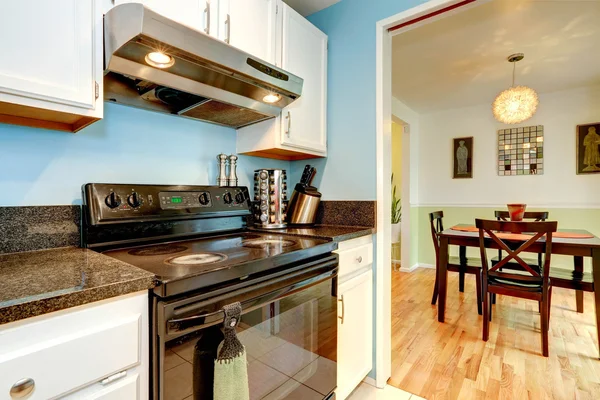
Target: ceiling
<point x="460" y="60"/>
<point x="307" y="7"/>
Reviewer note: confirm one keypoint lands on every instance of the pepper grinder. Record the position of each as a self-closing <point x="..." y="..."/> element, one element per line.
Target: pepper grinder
<point x="233" y="179"/>
<point x="222" y="177"/>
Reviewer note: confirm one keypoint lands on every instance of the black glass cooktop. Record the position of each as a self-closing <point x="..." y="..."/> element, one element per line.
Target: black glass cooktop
<point x="221" y="258"/>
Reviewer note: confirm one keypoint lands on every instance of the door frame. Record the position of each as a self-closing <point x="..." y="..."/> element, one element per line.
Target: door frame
<point x="412" y="18"/>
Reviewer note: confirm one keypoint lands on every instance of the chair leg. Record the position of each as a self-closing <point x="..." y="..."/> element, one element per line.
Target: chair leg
<point x="435" y="288"/>
<point x="540" y="307"/>
<point x="492" y="296"/>
<point x="486" y="311"/>
<point x="544" y="318"/>
<point x="478" y="288"/>
<point x="461" y="282"/>
<point x="549" y="305"/>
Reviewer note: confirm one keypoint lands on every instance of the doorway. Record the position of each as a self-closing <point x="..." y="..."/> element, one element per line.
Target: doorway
<point x="385" y="110"/>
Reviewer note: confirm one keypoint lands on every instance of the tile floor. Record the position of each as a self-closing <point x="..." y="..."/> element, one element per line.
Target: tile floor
<point x="368" y="392"/>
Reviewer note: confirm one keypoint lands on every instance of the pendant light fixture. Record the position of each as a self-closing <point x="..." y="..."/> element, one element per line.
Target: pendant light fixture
<point x="517" y="103"/>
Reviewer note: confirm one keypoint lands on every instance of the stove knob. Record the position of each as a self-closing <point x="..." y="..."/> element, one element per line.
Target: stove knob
<point x="264" y="175"/>
<point x="240" y="198"/>
<point x="112" y="200"/>
<point x="227" y="198"/>
<point x="204" y="199"/>
<point x="134" y="200"/>
<point x="264" y="217"/>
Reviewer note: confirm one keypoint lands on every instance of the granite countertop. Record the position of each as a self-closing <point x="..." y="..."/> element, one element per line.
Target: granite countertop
<point x="337" y="233"/>
<point x="43" y="281"/>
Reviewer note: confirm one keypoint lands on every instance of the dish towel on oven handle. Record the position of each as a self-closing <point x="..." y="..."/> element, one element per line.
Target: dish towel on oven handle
<point x="231" y="368"/>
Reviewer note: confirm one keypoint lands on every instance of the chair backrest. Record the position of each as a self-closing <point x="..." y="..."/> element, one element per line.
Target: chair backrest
<point x="488" y="230"/>
<point x="532" y="215"/>
<point x="437" y="225"/>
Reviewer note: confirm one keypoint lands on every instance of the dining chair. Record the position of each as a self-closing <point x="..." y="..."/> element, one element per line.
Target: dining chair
<point x="461" y="264"/>
<point x="574" y="279"/>
<point x="527" y="283"/>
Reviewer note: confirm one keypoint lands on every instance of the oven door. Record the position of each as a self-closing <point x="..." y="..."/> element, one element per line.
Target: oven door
<point x="288" y="327"/>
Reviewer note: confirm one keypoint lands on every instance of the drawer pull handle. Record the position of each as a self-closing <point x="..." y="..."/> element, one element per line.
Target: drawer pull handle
<point x="343" y="311"/>
<point x="22" y="388"/>
<point x="359" y="259"/>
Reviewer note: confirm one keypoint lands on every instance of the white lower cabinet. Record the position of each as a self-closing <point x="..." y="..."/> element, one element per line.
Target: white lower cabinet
<point x="355" y="314"/>
<point x="95" y="351"/>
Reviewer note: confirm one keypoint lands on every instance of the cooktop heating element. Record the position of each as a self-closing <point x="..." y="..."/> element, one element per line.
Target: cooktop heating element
<point x="197" y="259"/>
<point x="268" y="242"/>
<point x="158" y="250"/>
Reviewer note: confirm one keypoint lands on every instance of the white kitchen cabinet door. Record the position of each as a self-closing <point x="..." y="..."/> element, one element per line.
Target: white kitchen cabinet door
<point x="252" y="27"/>
<point x="355" y="332"/>
<point x="304" y="53"/>
<point x="47" y="50"/>
<point x="187" y="12"/>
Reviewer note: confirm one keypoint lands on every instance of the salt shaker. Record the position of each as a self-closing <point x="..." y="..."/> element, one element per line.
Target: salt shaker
<point x="222" y="176"/>
<point x="232" y="180"/>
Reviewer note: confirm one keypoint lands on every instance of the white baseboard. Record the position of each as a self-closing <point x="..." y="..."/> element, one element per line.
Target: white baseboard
<point x="418" y="265"/>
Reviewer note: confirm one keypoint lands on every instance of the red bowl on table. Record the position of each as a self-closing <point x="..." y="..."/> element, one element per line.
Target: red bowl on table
<point x="516" y="211"/>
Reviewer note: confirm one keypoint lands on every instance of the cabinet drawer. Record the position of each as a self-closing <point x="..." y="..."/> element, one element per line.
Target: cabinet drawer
<point x="352" y="260"/>
<point x="67" y="352"/>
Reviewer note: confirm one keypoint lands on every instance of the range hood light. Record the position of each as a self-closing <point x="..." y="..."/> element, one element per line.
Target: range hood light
<point x="271" y="98"/>
<point x="159" y="60"/>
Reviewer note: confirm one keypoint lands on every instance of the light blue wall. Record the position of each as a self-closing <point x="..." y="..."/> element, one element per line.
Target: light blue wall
<point x="349" y="172"/>
<point x="42" y="167"/>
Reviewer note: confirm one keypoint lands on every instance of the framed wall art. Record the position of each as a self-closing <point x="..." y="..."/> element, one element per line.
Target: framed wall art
<point x="588" y="149"/>
<point x="521" y="151"/>
<point x="462" y="154"/>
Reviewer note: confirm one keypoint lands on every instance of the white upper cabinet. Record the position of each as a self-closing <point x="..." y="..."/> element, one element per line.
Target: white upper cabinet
<point x="51" y="60"/>
<point x="304" y="53"/>
<point x="200" y="15"/>
<point x="252" y="27"/>
<point x="300" y="131"/>
<point x="188" y="12"/>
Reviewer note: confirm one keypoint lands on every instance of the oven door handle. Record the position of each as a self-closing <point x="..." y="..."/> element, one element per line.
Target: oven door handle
<point x="199" y="321"/>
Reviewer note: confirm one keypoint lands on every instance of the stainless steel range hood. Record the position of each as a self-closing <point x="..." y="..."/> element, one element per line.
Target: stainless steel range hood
<point x="209" y="79"/>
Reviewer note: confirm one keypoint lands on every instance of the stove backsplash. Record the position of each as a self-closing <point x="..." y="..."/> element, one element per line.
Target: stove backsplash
<point x="39" y="227"/>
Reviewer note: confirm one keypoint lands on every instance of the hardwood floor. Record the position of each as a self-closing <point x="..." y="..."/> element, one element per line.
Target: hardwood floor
<point x="450" y="360"/>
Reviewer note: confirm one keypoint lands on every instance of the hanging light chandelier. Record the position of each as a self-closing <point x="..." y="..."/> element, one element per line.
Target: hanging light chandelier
<point x="517" y="103"/>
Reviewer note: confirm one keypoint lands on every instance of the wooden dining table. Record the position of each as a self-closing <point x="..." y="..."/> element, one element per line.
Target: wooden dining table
<point x="576" y="247"/>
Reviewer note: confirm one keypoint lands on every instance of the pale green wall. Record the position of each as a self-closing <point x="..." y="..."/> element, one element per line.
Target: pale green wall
<point x="421" y="242"/>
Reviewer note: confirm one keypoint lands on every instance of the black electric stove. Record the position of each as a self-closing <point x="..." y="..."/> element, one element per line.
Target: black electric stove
<point x="195" y="240"/>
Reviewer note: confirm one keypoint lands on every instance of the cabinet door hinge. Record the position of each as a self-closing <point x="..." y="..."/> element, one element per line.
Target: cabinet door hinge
<point x="97" y="90"/>
<point x="276" y="8"/>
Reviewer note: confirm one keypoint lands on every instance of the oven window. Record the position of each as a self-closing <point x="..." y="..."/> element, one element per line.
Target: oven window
<point x="291" y="348"/>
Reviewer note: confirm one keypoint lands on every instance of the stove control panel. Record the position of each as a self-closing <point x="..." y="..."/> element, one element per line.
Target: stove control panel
<point x="119" y="203"/>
